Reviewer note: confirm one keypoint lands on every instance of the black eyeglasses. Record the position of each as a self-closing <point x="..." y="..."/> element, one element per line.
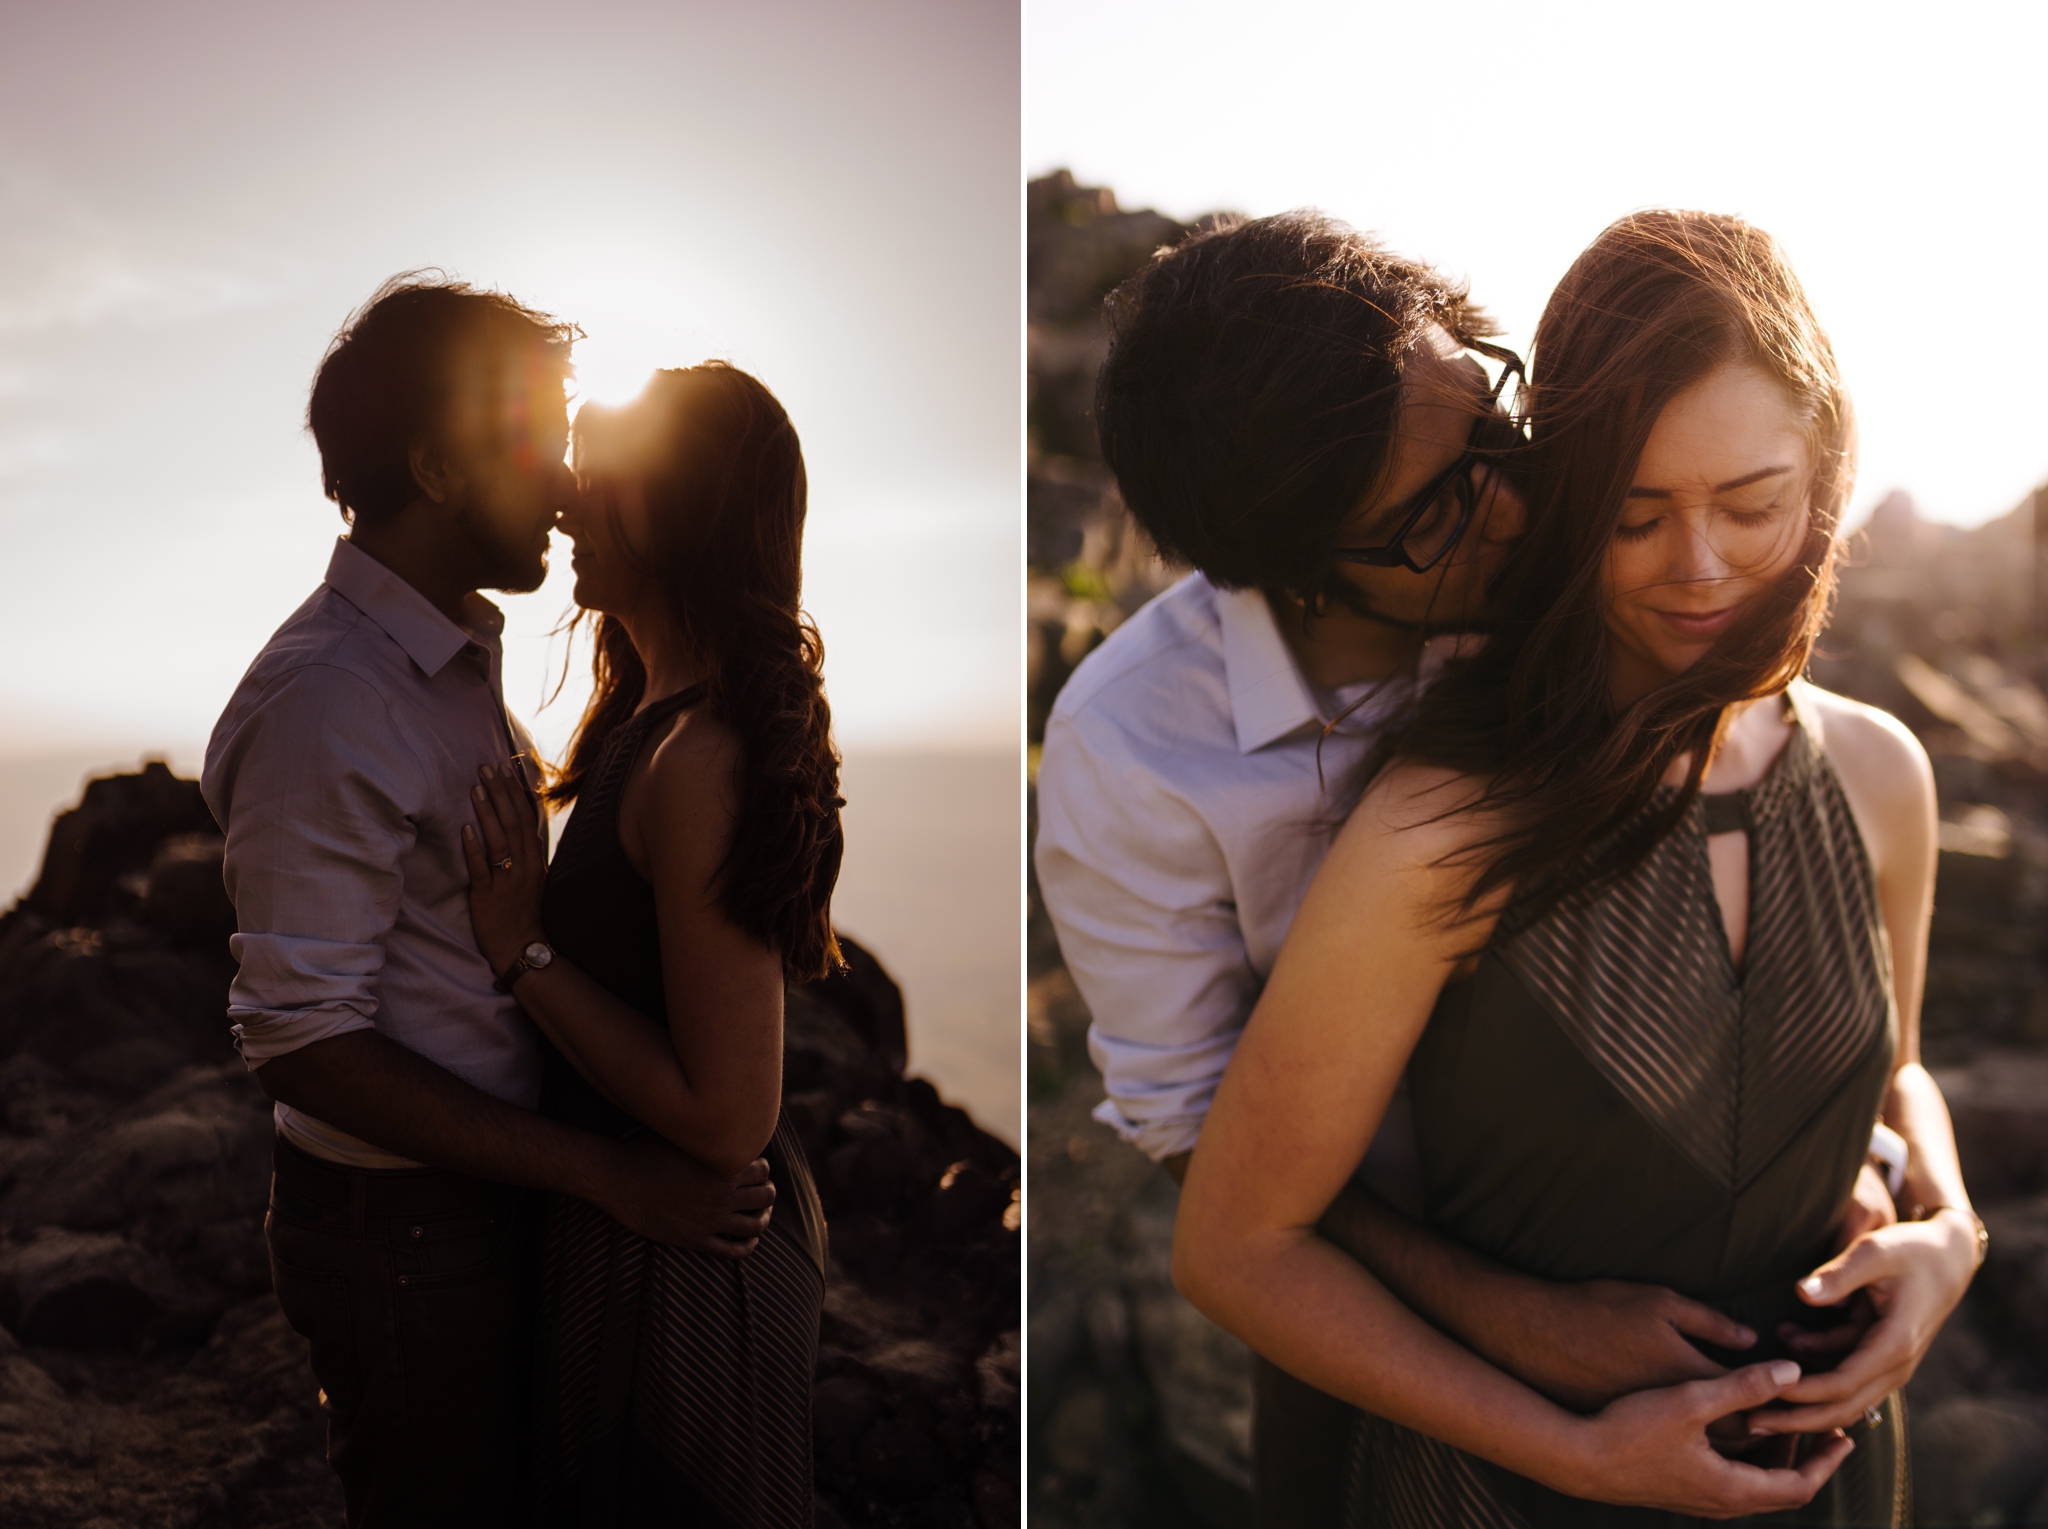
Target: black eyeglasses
<point x="1434" y="518"/>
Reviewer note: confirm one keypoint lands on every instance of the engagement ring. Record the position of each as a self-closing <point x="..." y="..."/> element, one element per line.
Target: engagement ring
<point x="505" y="864"/>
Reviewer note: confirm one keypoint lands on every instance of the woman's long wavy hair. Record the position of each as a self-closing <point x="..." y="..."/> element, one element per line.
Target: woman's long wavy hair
<point x="1656" y="303"/>
<point x="723" y="475"/>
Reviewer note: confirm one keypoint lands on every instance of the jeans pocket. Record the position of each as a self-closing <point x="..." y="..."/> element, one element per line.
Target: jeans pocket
<point x="308" y="1270"/>
<point x="457" y="1251"/>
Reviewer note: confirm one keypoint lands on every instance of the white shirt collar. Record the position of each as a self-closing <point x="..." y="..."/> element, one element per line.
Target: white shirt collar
<point x="429" y="638"/>
<point x="1269" y="699"/>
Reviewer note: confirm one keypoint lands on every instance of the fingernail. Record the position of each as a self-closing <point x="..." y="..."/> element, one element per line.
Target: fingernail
<point x="1744" y="1336"/>
<point x="468" y="832"/>
<point x="486" y="772"/>
<point x="1784" y="1371"/>
<point x="477" y="792"/>
<point x="1811" y="1285"/>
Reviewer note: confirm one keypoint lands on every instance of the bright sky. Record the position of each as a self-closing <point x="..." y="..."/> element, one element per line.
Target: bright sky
<point x="193" y="198"/>
<point x="1899" y="152"/>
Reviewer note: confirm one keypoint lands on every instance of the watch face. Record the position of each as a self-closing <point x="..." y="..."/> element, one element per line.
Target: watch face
<point x="538" y="954"/>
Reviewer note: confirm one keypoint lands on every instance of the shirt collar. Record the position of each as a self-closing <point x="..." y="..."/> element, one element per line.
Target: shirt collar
<point x="1268" y="696"/>
<point x="408" y="618"/>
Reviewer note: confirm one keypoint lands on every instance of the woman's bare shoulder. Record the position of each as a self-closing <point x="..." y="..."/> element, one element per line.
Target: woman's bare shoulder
<point x="1887" y="776"/>
<point x="1420" y="807"/>
<point x="694" y="773"/>
<point x="1871" y="745"/>
<point x="1410" y="831"/>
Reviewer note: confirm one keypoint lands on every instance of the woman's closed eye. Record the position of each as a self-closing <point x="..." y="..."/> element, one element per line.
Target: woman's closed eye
<point x="1742" y="519"/>
<point x="1751" y="519"/>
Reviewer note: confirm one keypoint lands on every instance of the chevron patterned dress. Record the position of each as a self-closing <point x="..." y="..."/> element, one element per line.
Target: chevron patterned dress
<point x="1609" y="1096"/>
<point x="671" y="1388"/>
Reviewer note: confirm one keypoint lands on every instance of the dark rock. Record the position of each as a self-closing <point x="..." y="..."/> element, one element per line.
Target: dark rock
<point x="99" y="855"/>
<point x="842" y="1409"/>
<point x="106" y="1004"/>
<point x="2013" y="1284"/>
<point x="134" y="1155"/>
<point x="193" y="1153"/>
<point x="84" y="1289"/>
<point x="884" y="1160"/>
<point x="967" y="1206"/>
<point x="996" y="1501"/>
<point x="868" y="1000"/>
<point x="897" y="1457"/>
<point x="1999" y="1103"/>
<point x="186" y="897"/>
<point x="1080" y="246"/>
<point x="1978" y="1459"/>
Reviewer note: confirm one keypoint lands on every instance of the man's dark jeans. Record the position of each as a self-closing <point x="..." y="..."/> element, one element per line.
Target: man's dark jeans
<point x="414" y="1287"/>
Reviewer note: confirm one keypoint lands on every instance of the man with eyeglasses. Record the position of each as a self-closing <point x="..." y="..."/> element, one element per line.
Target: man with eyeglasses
<point x="1308" y="420"/>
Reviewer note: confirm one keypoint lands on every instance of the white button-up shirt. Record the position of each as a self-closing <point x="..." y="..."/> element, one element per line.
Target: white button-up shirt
<point x="1186" y="794"/>
<point x="340" y="772"/>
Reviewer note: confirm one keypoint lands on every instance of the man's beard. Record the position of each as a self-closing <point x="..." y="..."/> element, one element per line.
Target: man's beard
<point x="516" y="580"/>
<point x="502" y="566"/>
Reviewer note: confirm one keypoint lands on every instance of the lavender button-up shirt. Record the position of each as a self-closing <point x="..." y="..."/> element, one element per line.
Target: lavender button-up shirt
<point x="340" y="772"/>
<point x="1186" y="795"/>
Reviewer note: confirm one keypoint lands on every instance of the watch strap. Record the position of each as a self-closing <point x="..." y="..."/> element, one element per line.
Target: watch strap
<point x="518" y="969"/>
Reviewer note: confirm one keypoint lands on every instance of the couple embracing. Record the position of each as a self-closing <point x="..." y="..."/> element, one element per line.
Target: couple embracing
<point x="1518" y="958"/>
<point x="535" y="1208"/>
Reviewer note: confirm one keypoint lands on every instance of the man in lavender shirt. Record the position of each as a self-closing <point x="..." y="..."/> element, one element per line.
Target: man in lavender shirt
<point x="405" y="1078"/>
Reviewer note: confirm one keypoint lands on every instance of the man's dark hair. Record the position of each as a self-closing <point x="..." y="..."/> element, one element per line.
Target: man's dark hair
<point x="1253" y="386"/>
<point x="392" y="372"/>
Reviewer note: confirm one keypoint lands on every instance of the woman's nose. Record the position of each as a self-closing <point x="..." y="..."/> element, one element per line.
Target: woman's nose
<point x="1695" y="558"/>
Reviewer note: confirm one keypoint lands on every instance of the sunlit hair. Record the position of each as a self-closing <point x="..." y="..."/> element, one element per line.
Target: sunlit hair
<point x="396" y="371"/>
<point x="1655" y="304"/>
<point x="1252" y="389"/>
<point x="723" y="475"/>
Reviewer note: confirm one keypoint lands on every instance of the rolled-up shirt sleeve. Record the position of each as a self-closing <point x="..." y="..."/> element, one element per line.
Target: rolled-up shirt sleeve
<point x="1140" y="895"/>
<point x="317" y="791"/>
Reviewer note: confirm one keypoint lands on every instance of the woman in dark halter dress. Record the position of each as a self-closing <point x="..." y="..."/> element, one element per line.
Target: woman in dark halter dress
<point x="673" y="1386"/>
<point x="1640" y="917"/>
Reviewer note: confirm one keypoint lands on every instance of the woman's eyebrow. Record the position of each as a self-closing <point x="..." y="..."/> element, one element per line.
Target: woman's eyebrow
<point x="1719" y="488"/>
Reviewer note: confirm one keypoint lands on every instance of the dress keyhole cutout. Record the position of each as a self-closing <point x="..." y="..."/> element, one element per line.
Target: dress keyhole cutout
<point x="1728" y="860"/>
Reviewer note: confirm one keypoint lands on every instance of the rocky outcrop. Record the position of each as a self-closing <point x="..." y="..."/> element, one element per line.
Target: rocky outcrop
<point x="146" y="1374"/>
<point x="1089" y="565"/>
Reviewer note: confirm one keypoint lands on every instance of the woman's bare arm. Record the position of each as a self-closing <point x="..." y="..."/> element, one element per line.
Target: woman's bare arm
<point x="1304" y="1094"/>
<point x="711" y="1082"/>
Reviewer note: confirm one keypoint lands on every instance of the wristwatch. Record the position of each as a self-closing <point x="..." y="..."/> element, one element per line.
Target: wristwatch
<point x="536" y="956"/>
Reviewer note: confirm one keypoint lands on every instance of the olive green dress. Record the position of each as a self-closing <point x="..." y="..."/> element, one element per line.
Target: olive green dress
<point x="1609" y="1097"/>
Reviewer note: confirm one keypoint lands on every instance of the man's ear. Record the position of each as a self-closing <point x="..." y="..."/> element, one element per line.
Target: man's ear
<point x="433" y="474"/>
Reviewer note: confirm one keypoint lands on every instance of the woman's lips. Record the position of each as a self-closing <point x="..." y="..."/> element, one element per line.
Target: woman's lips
<point x="1698" y="625"/>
